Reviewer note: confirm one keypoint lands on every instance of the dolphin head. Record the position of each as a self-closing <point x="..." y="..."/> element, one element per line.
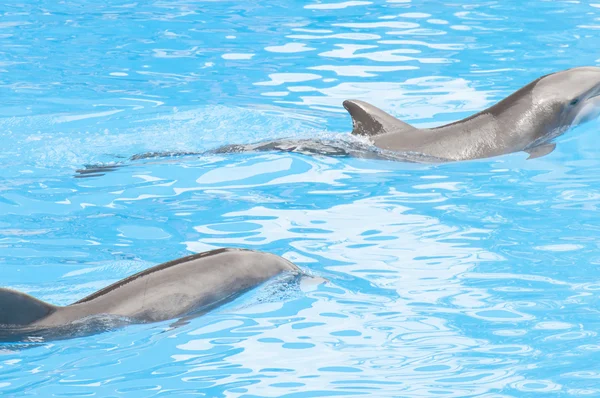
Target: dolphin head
<point x="575" y="92"/>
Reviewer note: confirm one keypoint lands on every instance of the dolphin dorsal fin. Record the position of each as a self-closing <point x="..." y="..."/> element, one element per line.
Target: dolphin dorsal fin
<point x="18" y="308"/>
<point x="369" y="120"/>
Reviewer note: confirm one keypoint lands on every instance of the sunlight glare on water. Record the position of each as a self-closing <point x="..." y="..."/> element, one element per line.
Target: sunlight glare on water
<point x="464" y="279"/>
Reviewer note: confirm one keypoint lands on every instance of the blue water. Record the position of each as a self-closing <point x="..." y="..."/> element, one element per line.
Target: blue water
<point x="478" y="278"/>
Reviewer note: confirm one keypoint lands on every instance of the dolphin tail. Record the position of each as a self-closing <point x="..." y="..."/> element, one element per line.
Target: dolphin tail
<point x="369" y="120"/>
<point x="21" y="309"/>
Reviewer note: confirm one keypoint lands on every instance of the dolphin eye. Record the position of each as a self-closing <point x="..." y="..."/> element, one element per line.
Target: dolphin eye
<point x="575" y="101"/>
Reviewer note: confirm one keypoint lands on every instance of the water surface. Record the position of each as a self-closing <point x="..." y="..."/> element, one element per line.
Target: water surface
<point x="465" y="279"/>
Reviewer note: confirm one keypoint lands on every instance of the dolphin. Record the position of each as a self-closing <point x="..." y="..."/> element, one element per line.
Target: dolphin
<point x="527" y="121"/>
<point x="190" y="285"/>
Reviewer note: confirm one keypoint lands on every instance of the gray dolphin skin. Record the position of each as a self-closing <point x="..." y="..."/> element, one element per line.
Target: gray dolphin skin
<point x="527" y="121"/>
<point x="190" y="285"/>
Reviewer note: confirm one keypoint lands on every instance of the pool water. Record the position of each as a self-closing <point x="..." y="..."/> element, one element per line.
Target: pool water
<point x="477" y="278"/>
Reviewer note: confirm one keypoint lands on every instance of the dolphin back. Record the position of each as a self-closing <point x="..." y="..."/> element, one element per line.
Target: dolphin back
<point x="368" y="120"/>
<point x="21" y="309"/>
